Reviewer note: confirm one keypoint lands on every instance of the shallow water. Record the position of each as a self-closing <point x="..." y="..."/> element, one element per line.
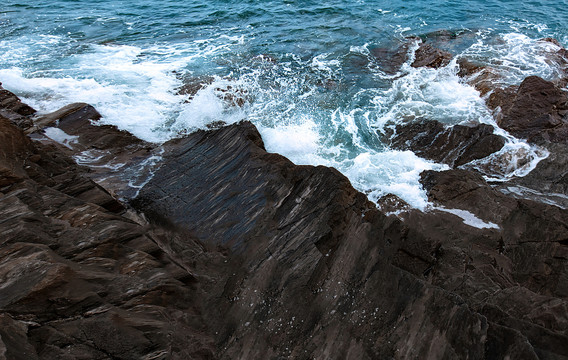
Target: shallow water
<point x="302" y="71"/>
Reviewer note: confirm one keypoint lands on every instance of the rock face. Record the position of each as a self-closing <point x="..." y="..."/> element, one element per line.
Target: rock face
<point x="322" y="273"/>
<point x="12" y="108"/>
<point x="79" y="280"/>
<point x="116" y="159"/>
<point x="454" y="145"/>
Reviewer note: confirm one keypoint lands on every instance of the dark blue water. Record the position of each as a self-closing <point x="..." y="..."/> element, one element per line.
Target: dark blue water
<point x="302" y="71"/>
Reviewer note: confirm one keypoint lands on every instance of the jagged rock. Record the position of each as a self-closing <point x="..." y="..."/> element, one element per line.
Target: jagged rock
<point x="429" y="56"/>
<point x="68" y="114"/>
<point x="80" y="281"/>
<point x="191" y="85"/>
<point x="483" y="78"/>
<point x="315" y="259"/>
<point x="251" y="256"/>
<point x="12" y="108"/>
<point x="527" y="227"/>
<point x="117" y="159"/>
<point x="453" y="145"/>
<point x="538" y="111"/>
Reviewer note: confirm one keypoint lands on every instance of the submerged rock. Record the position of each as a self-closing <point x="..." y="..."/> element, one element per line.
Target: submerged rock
<point x="453" y="145"/>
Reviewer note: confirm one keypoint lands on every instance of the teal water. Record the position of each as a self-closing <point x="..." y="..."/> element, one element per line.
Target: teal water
<point x="302" y="71"/>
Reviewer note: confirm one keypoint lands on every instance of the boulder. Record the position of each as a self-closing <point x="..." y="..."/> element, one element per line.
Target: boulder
<point x="538" y="111"/>
<point x="453" y="145"/>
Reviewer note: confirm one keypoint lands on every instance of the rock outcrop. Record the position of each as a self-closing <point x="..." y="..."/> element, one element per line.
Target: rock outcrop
<point x="537" y="111"/>
<point x="453" y="145"/>
<point x="238" y="253"/>
<point x="429" y="56"/>
<point x="81" y="280"/>
<point x="322" y="273"/>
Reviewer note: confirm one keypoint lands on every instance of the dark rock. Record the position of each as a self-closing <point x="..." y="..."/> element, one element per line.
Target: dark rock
<point x="391" y="203"/>
<point x="251" y="256"/>
<point x="455" y="145"/>
<point x="191" y="85"/>
<point x="521" y="222"/>
<point x="12" y="108"/>
<point x="70" y="114"/>
<point x="483" y="78"/>
<point x="315" y="258"/>
<point x="550" y="176"/>
<point x="429" y="56"/>
<point x="537" y="112"/>
<point x="117" y="159"/>
<point x="80" y="281"/>
<point x="390" y="59"/>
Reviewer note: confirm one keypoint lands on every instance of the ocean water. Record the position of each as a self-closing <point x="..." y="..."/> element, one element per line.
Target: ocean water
<point x="302" y="71"/>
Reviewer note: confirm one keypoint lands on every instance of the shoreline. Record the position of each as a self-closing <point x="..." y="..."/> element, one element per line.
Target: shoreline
<point x="229" y="251"/>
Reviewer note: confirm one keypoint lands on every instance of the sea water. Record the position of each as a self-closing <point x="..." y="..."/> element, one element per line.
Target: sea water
<point x="302" y="71"/>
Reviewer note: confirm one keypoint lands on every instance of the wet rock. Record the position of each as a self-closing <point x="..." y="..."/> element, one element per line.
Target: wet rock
<point x="483" y="78"/>
<point x="191" y="85"/>
<point x="72" y="113"/>
<point x="82" y="281"/>
<point x="390" y="59"/>
<point x="538" y="111"/>
<point x="454" y="145"/>
<point x="12" y="108"/>
<point x="315" y="258"/>
<point x="116" y="158"/>
<point x="429" y="56"/>
<point x="526" y="227"/>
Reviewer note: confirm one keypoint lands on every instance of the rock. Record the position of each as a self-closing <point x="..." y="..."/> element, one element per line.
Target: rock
<point x="429" y="56"/>
<point x="390" y="59"/>
<point x="82" y="281"/>
<point x="117" y="159"/>
<point x="454" y="145"/>
<point x="483" y="78"/>
<point x="250" y="256"/>
<point x="15" y="149"/>
<point x="12" y="108"/>
<point x="315" y="258"/>
<point x="71" y="113"/>
<point x="537" y="112"/>
<point x="191" y="85"/>
<point x="521" y="222"/>
<point x="14" y="340"/>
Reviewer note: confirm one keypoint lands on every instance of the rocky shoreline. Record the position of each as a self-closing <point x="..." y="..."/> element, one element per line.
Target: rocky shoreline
<point x="222" y="250"/>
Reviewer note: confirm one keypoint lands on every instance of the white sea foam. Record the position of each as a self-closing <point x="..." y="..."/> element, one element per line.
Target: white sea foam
<point x="469" y="218"/>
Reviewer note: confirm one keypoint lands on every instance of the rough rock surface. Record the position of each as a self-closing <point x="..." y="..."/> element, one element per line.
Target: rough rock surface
<point x="250" y="256"/>
<point x="12" y="108"/>
<point x="452" y="145"/>
<point x="116" y="159"/>
<point x="79" y="280"/>
<point x="538" y="111"/>
<point x="322" y="273"/>
<point x="429" y="56"/>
